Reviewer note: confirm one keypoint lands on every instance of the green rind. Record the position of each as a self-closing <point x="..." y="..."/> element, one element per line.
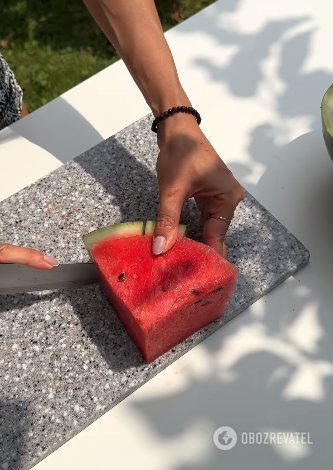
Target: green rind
<point x="182" y="231"/>
<point x="327" y="120"/>
<point x="150" y="227"/>
<point x="127" y="229"/>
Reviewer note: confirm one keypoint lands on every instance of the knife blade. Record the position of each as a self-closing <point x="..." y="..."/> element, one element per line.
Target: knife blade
<point x="17" y="278"/>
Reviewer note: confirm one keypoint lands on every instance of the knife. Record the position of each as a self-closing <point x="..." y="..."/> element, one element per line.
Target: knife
<point x="17" y="278"/>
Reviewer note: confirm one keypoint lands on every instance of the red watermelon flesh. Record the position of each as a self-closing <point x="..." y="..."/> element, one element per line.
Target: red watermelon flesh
<point x="161" y="300"/>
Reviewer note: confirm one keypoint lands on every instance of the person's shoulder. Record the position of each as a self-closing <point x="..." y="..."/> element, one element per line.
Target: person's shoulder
<point x="10" y="95"/>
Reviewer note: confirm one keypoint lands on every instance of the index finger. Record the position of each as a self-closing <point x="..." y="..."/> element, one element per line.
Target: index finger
<point x="28" y="256"/>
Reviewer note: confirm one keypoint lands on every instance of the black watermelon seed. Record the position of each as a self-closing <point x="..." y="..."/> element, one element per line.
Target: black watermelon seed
<point x="196" y="291"/>
<point x="218" y="289"/>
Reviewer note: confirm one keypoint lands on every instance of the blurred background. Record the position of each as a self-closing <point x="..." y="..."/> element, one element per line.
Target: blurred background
<point x="52" y="45"/>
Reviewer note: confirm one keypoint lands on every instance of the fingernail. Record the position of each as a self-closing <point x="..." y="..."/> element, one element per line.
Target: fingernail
<point x="158" y="245"/>
<point x="51" y="261"/>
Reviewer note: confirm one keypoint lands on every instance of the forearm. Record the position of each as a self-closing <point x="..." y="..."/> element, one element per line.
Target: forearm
<point x="134" y="29"/>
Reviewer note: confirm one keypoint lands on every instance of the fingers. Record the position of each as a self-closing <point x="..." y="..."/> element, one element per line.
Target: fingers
<point x="167" y="223"/>
<point x="214" y="232"/>
<point x="214" y="229"/>
<point x="27" y="256"/>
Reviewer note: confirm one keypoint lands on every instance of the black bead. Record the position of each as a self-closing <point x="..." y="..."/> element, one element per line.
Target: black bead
<point x="175" y="109"/>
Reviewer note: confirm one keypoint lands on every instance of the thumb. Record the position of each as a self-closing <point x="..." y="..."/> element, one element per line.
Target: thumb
<point x="167" y="222"/>
<point x="28" y="256"/>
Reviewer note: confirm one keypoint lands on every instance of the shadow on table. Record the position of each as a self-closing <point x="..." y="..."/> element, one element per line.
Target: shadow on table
<point x="14" y="428"/>
<point x="59" y="129"/>
<point x="277" y="378"/>
<point x="276" y="366"/>
<point x="302" y="92"/>
<point x="292" y="386"/>
<point x="110" y="167"/>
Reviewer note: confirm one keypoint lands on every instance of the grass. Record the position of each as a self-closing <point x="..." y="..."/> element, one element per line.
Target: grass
<point x="53" y="45"/>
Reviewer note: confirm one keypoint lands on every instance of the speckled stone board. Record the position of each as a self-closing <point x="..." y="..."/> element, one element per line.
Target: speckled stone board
<point x="65" y="357"/>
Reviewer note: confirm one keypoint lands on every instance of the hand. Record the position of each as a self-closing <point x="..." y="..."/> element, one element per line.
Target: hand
<point x="28" y="256"/>
<point x="188" y="166"/>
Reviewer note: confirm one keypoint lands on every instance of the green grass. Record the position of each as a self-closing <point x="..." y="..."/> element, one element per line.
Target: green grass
<point x="52" y="45"/>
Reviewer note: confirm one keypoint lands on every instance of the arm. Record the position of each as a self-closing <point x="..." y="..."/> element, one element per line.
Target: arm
<point x="134" y="29"/>
<point x="187" y="165"/>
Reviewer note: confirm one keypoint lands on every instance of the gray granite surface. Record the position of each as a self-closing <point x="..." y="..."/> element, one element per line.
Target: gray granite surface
<point x="65" y="357"/>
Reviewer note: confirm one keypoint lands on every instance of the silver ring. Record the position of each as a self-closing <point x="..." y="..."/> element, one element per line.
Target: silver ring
<point x="221" y="218"/>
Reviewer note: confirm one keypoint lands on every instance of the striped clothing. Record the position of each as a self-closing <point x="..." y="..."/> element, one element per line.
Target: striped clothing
<point x="10" y="95"/>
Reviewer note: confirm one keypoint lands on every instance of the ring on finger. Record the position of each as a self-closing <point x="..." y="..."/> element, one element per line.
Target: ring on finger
<point x="221" y="218"/>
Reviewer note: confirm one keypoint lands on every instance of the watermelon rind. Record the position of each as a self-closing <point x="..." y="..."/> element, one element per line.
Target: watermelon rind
<point x="182" y="231"/>
<point x="327" y="120"/>
<point x="120" y="230"/>
<point x="150" y="227"/>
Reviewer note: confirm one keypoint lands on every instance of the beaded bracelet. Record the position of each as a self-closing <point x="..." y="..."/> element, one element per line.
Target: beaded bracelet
<point x="176" y="109"/>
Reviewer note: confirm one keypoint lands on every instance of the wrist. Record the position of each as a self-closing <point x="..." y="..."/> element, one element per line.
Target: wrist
<point x="169" y="100"/>
<point x="176" y="125"/>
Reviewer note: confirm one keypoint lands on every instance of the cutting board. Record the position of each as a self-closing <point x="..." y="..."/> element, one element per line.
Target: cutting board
<point x="65" y="358"/>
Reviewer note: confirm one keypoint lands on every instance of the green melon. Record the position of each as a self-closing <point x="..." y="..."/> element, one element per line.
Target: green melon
<point x="327" y="120"/>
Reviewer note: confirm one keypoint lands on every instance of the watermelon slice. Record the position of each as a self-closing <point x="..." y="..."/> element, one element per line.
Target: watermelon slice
<point x="163" y="299"/>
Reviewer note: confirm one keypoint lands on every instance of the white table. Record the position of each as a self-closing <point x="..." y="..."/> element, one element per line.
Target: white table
<point x="256" y="70"/>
